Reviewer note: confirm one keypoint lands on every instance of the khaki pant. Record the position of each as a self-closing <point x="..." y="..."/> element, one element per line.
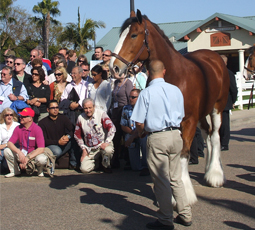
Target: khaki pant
<point x="91" y="162"/>
<point x="13" y="161"/>
<point x="163" y="158"/>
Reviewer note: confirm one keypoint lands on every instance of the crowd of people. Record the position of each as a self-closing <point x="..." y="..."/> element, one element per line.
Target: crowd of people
<point x="78" y="108"/>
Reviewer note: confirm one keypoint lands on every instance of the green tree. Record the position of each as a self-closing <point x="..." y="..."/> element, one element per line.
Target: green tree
<point x="46" y="8"/>
<point x="79" y="35"/>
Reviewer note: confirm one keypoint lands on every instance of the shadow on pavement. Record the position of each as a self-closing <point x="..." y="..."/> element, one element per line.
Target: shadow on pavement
<point x="237" y="225"/>
<point x="235" y="206"/>
<point x="135" y="213"/>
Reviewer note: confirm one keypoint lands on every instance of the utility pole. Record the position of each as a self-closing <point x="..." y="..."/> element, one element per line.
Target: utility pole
<point x="132" y="5"/>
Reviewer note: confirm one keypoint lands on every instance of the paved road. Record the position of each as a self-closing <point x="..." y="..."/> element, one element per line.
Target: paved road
<point x="125" y="201"/>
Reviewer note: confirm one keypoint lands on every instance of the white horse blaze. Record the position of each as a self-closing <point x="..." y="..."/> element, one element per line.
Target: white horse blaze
<point x="214" y="175"/>
<point x="190" y="193"/>
<point x="119" y="45"/>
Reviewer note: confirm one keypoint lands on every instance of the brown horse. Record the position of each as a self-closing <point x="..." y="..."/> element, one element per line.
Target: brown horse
<point x="201" y="76"/>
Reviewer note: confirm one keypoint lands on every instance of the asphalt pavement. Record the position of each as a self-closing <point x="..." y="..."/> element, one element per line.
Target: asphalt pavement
<point x="124" y="200"/>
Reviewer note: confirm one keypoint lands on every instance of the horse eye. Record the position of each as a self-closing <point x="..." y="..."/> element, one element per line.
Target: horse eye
<point x="133" y="35"/>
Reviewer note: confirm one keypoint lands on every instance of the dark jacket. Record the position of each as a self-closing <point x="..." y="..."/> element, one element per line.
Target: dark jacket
<point x="232" y="95"/>
<point x="27" y="78"/>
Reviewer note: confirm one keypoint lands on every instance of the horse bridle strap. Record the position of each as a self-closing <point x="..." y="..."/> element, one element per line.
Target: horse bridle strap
<point x="145" y="45"/>
<point x="252" y="71"/>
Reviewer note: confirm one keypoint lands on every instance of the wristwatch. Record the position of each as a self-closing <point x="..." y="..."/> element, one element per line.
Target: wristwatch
<point x="37" y="99"/>
<point x="28" y="157"/>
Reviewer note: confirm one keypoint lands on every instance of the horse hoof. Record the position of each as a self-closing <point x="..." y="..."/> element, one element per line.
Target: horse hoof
<point x="215" y="179"/>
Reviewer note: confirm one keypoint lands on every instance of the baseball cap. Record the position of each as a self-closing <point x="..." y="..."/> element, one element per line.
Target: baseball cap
<point x="27" y="112"/>
<point x="9" y="52"/>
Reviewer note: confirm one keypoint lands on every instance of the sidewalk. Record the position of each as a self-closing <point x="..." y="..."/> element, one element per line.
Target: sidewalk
<point x="242" y="117"/>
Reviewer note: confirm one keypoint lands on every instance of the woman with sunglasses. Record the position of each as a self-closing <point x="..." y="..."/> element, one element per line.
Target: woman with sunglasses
<point x="39" y="94"/>
<point x="8" y="122"/>
<point x="100" y="89"/>
<point x="81" y="59"/>
<point x="58" y="86"/>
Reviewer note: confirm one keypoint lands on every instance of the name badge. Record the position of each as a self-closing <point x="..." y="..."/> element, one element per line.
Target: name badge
<point x="24" y="151"/>
<point x="31" y="138"/>
<point x="115" y="105"/>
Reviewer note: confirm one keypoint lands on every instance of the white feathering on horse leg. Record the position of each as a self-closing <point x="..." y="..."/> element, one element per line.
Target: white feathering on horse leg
<point x="190" y="193"/>
<point x="215" y="176"/>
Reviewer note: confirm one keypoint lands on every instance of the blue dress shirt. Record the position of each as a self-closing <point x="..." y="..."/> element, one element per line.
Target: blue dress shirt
<point x="159" y="106"/>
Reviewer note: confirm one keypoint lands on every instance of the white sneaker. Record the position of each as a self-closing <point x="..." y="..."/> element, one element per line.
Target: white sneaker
<point x="9" y="175"/>
<point x="41" y="174"/>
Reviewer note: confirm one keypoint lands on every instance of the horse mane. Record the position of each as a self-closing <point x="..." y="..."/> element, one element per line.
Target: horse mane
<point x="251" y="49"/>
<point x="129" y="21"/>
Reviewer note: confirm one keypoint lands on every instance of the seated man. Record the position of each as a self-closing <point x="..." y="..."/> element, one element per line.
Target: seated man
<point x="132" y="140"/>
<point x="31" y="142"/>
<point x="98" y="131"/>
<point x="57" y="131"/>
<point x="10" y="89"/>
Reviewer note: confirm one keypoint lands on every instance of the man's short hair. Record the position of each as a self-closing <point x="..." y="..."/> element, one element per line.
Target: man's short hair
<point x="40" y="48"/>
<point x="155" y="67"/>
<point x="36" y="51"/>
<point x="80" y="70"/>
<point x="8" y="68"/>
<point x="100" y="47"/>
<point x="63" y="48"/>
<point x="50" y="102"/>
<point x="22" y="59"/>
<point x="87" y="100"/>
<point x="136" y="90"/>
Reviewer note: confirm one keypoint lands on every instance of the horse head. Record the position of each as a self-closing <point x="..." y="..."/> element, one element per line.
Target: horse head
<point x="132" y="46"/>
<point x="251" y="63"/>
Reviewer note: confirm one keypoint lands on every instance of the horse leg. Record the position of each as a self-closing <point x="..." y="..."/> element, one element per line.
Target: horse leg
<point x="188" y="132"/>
<point x="214" y="175"/>
<point x="206" y="129"/>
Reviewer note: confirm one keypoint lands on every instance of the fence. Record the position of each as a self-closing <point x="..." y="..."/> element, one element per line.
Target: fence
<point x="244" y="90"/>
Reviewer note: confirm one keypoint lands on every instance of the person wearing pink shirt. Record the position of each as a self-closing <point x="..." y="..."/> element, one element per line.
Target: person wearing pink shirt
<point x="31" y="145"/>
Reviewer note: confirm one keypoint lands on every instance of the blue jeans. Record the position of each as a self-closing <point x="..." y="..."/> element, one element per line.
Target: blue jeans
<point x="59" y="151"/>
<point x="134" y="154"/>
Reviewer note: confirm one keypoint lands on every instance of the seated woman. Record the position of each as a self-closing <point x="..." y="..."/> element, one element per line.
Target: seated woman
<point x="39" y="94"/>
<point x="38" y="63"/>
<point x="61" y="62"/>
<point x="100" y="89"/>
<point x="8" y="122"/>
<point x="57" y="87"/>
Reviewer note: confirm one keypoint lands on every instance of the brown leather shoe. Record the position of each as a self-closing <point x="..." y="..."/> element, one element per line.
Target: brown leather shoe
<point x="181" y="221"/>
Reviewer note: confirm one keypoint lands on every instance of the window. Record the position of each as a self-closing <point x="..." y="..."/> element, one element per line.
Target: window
<point x="220" y="39"/>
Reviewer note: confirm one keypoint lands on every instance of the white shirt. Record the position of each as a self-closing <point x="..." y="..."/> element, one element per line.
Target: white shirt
<point x="102" y="95"/>
<point x="29" y="67"/>
<point x="5" y="134"/>
<point x="81" y="90"/>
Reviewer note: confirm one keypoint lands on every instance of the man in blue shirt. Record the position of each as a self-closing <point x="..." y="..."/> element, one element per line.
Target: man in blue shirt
<point x="159" y="111"/>
<point x="132" y="140"/>
<point x="10" y="89"/>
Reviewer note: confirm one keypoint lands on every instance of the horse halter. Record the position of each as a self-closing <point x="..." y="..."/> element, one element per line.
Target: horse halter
<point x="250" y="70"/>
<point x="130" y="65"/>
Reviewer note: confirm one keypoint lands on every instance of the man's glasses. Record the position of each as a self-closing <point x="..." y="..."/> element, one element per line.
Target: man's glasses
<point x="32" y="56"/>
<point x="9" y="62"/>
<point x="17" y="63"/>
<point x="106" y="55"/>
<point x="54" y="107"/>
<point x="133" y="97"/>
<point x="7" y="115"/>
<point x="58" y="74"/>
<point x="85" y="70"/>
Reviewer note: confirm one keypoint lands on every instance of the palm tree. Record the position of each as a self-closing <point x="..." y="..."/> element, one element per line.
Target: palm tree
<point x="79" y="36"/>
<point x="46" y="8"/>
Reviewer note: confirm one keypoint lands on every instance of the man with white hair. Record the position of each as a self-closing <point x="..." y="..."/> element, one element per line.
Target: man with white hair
<point x="94" y="132"/>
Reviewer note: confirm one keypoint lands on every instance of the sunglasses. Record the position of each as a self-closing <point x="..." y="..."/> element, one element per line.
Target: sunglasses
<point x="133" y="97"/>
<point x="58" y="74"/>
<point x="80" y="61"/>
<point x="54" y="107"/>
<point x="9" y="62"/>
<point x="17" y="63"/>
<point x="35" y="74"/>
<point x="106" y="55"/>
<point x="32" y="56"/>
<point x="94" y="74"/>
<point x="7" y="115"/>
<point x="85" y="70"/>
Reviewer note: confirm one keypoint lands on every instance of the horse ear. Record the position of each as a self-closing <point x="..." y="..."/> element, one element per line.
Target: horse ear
<point x="132" y="14"/>
<point x="139" y="16"/>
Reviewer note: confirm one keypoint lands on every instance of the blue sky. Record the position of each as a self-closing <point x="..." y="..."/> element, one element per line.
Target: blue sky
<point x="114" y="12"/>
